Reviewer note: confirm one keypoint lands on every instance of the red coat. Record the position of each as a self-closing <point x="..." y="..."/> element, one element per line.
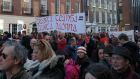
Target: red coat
<point x="104" y="40"/>
<point x="61" y="44"/>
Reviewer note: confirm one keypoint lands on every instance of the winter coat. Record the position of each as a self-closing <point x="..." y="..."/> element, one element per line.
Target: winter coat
<point x="50" y="70"/>
<point x="21" y="75"/>
<point x="71" y="52"/>
<point x="84" y="63"/>
<point x="92" y="51"/>
<point x="127" y="74"/>
<point x="72" y="70"/>
<point x="134" y="50"/>
<point x="31" y="64"/>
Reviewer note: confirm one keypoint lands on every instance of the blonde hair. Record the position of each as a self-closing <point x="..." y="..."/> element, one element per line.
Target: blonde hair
<point x="45" y="49"/>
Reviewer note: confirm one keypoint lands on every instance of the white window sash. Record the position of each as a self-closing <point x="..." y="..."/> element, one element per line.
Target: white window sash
<point x="27" y="6"/>
<point x="7" y="5"/>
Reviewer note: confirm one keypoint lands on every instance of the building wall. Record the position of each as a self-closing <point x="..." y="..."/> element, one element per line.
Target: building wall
<point x="130" y="14"/>
<point x="7" y="19"/>
<point x="17" y="7"/>
<point x="18" y="14"/>
<point x="0" y="6"/>
<point x="36" y="8"/>
<point x="127" y="12"/>
<point x="96" y="10"/>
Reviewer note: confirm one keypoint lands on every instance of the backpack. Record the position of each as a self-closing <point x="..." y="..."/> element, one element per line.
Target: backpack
<point x="72" y="71"/>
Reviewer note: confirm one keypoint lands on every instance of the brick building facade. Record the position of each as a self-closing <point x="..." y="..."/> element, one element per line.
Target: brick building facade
<point x="129" y="14"/>
<point x="14" y="14"/>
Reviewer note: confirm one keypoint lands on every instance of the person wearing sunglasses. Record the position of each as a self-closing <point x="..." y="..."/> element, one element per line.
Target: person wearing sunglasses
<point x="12" y="59"/>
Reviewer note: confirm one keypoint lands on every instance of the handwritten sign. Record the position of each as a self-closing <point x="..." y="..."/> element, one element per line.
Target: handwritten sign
<point x="74" y="23"/>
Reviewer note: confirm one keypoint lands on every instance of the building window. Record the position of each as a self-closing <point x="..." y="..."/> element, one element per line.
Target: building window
<point x="7" y="5"/>
<point x="14" y="28"/>
<point x="1" y="24"/>
<point x="57" y="6"/>
<point x="121" y="16"/>
<point x="97" y="16"/>
<point x="105" y="4"/>
<point x="100" y="16"/>
<point x="115" y="6"/>
<point x="100" y="4"/>
<point x="44" y="8"/>
<point x="106" y="17"/>
<point x="88" y="2"/>
<point x="94" y="14"/>
<point x="97" y="3"/>
<point x="103" y="17"/>
<point x="94" y="3"/>
<point x="27" y="6"/>
<point x="111" y="18"/>
<point x="115" y="16"/>
<point x="110" y="5"/>
<point x="68" y="6"/>
<point x="103" y="29"/>
<point x="87" y="17"/>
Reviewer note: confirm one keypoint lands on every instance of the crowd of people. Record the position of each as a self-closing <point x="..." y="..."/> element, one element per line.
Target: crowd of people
<point x="58" y="55"/>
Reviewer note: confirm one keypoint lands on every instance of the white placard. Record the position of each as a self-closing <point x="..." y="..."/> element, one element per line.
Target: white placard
<point x="130" y="34"/>
<point x="74" y="23"/>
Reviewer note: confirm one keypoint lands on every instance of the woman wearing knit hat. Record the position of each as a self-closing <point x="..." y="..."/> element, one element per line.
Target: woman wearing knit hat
<point x="82" y="60"/>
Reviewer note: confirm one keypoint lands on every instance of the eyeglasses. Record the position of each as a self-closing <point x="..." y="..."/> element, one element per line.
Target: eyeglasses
<point x="4" y="56"/>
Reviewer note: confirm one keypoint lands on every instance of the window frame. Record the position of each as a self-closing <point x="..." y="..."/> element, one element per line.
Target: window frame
<point x="6" y="10"/>
<point x="44" y="11"/>
<point x="31" y="6"/>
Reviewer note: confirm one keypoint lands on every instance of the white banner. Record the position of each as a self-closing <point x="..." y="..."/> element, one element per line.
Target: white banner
<point x="130" y="34"/>
<point x="74" y="23"/>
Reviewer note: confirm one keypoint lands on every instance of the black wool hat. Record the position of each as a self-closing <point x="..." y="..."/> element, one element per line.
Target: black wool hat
<point x="122" y="51"/>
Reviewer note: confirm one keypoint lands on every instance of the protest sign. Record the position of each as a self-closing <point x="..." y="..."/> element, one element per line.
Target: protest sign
<point x="45" y="24"/>
<point x="130" y="34"/>
<point x="74" y="23"/>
